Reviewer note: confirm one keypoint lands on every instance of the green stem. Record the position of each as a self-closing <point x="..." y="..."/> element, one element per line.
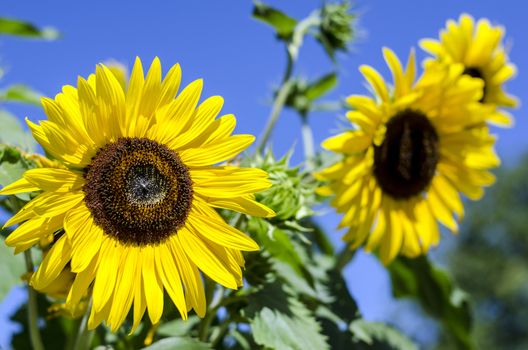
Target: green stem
<point x="278" y="105"/>
<point x="203" y="330"/>
<point x="308" y="142"/>
<point x="344" y="257"/>
<point x="221" y="332"/>
<point x="84" y="335"/>
<point x="73" y="336"/>
<point x="237" y="220"/>
<point x="204" y="325"/>
<point x="319" y="237"/>
<point x="34" y="334"/>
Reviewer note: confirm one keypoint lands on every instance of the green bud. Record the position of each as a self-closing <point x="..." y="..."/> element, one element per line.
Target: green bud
<point x="293" y="192"/>
<point x="337" y="27"/>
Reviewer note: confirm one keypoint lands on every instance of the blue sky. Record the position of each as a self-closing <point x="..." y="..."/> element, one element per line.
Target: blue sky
<point x="240" y="59"/>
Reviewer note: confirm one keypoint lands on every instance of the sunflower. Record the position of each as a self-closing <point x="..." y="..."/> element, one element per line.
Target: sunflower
<point x="410" y="155"/>
<point x="133" y="208"/>
<point x="479" y="48"/>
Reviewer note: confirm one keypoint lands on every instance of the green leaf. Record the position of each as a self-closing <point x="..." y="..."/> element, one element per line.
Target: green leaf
<point x="12" y="166"/>
<point x="9" y="26"/>
<point x="11" y="268"/>
<point x="380" y="336"/>
<point x="343" y="304"/>
<point x="321" y="86"/>
<point x="12" y="133"/>
<point x="294" y="329"/>
<point x="180" y="343"/>
<point x="279" y="320"/>
<point x="20" y="93"/>
<point x="303" y="95"/>
<point x="177" y="327"/>
<point x="433" y="288"/>
<point x="283" y="24"/>
<point x="276" y="241"/>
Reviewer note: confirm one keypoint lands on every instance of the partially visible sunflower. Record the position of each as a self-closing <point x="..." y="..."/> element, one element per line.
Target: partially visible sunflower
<point x="410" y="156"/>
<point x="137" y="193"/>
<point x="479" y="48"/>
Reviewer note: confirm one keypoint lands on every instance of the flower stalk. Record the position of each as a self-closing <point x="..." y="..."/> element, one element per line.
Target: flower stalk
<point x="292" y="49"/>
<point x="84" y="335"/>
<point x="34" y="333"/>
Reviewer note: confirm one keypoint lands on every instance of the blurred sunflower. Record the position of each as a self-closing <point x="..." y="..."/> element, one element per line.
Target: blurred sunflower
<point x="410" y="156"/>
<point x="137" y="193"/>
<point x="479" y="48"/>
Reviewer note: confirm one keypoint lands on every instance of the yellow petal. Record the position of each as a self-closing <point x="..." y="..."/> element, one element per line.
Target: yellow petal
<point x="394" y="235"/>
<point x="203" y="117"/>
<point x="19" y="186"/>
<point x="229" y="181"/>
<point x="246" y="204"/>
<point x="448" y="194"/>
<point x="135" y="91"/>
<point x="212" y="227"/>
<point x="52" y="179"/>
<point x="151" y="90"/>
<point x="200" y="253"/>
<point x="33" y="230"/>
<point x="152" y="285"/>
<point x="378" y="232"/>
<point x="216" y="152"/>
<point x="111" y="101"/>
<point x="194" y="290"/>
<point x="92" y="119"/>
<point x="170" y="278"/>
<point x="348" y="142"/>
<point x="220" y="129"/>
<point x="124" y="289"/>
<point x="105" y="280"/>
<point x="140" y="302"/>
<point x="179" y="113"/>
<point x="47" y="204"/>
<point x="376" y="82"/>
<point x="401" y="87"/>
<point x="81" y="283"/>
<point x="441" y="211"/>
<point x="52" y="265"/>
<point x="170" y="85"/>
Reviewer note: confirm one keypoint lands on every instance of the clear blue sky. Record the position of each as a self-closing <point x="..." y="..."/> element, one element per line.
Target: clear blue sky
<point x="240" y="59"/>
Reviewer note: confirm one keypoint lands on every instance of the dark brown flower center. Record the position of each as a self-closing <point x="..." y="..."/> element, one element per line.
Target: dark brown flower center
<point x="475" y="72"/>
<point x="138" y="191"/>
<point x="405" y="163"/>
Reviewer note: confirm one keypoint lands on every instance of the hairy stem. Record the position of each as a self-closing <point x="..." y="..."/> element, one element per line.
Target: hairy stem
<point x="203" y="330"/>
<point x="308" y="142"/>
<point x="344" y="257"/>
<point x="84" y="335"/>
<point x="34" y="334"/>
<point x="278" y="105"/>
<point x="293" y="47"/>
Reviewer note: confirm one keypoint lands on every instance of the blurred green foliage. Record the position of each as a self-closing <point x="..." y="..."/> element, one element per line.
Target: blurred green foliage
<point x="490" y="262"/>
<point x="435" y="291"/>
<point x="15" y="27"/>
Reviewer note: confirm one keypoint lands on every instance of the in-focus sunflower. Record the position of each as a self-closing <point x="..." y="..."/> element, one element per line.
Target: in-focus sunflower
<point x="409" y="157"/>
<point x="133" y="208"/>
<point x="479" y="48"/>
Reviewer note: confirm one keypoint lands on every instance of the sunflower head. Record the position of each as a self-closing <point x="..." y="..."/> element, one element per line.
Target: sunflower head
<point x="479" y="48"/>
<point x="412" y="149"/>
<point x="131" y="203"/>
